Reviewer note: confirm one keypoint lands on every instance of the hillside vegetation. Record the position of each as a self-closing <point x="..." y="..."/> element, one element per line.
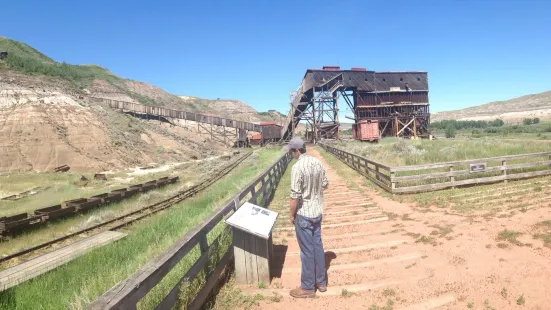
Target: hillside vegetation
<point x="48" y="118"/>
<point x="25" y="59"/>
<point x="513" y="110"/>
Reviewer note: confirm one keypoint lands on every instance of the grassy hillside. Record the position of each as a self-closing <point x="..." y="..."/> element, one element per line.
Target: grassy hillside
<point x="534" y="105"/>
<point x="22" y="50"/>
<point x="24" y="59"/>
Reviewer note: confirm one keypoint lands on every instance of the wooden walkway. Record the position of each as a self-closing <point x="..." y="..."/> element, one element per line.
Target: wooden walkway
<point x="42" y="264"/>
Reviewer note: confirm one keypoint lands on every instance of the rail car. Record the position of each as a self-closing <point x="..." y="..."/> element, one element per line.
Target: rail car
<point x="270" y="132"/>
<point x="366" y="130"/>
<point x="25" y="221"/>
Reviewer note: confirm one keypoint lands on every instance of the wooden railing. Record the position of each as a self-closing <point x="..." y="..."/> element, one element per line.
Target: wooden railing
<point x="126" y="294"/>
<point x="430" y="177"/>
<point x="376" y="172"/>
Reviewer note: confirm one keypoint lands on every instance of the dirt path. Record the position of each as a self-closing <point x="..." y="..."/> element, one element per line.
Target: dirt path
<point x="382" y="254"/>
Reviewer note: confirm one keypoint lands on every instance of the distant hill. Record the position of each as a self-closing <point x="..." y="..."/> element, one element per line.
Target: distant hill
<point x="529" y="106"/>
<point x="48" y="118"/>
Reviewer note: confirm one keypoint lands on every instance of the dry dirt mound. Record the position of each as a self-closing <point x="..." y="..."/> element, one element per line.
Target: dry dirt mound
<point x="44" y="125"/>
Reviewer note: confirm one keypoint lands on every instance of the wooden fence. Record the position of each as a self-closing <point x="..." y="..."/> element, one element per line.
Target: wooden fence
<point x="430" y="177"/>
<point x="376" y="172"/>
<point x="126" y="294"/>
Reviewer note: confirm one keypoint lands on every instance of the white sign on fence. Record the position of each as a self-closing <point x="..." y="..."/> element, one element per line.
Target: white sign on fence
<point x="477" y="167"/>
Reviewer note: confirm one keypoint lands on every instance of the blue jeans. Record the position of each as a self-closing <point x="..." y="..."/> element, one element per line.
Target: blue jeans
<point x="312" y="255"/>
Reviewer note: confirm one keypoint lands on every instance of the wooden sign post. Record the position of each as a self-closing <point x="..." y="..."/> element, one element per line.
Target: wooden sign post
<point x="252" y="243"/>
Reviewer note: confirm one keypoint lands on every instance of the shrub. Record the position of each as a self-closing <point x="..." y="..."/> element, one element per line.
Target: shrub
<point x="450" y="131"/>
<point x="527" y="121"/>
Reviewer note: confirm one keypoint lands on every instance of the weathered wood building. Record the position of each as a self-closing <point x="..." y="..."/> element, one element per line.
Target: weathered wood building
<point x="397" y="100"/>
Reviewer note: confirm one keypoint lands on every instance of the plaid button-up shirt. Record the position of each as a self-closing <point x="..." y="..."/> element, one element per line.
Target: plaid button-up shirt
<point x="307" y="182"/>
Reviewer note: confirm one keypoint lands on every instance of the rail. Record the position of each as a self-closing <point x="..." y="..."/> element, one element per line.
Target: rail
<point x="133" y="216"/>
<point x="437" y="176"/>
<point x="126" y="294"/>
<point x="25" y="221"/>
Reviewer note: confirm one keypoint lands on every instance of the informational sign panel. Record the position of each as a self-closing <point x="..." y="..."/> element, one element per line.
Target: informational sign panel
<point x="480" y="167"/>
<point x="253" y="219"/>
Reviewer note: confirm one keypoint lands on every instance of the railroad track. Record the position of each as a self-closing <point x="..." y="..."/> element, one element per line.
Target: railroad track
<point x="129" y="218"/>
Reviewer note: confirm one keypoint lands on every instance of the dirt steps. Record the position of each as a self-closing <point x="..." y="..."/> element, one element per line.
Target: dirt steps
<point x="366" y="251"/>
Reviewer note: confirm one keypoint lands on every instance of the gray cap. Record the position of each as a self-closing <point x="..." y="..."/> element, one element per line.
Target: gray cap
<point x="295" y="143"/>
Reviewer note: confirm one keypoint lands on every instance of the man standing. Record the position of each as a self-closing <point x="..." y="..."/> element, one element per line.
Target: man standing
<point x="308" y="180"/>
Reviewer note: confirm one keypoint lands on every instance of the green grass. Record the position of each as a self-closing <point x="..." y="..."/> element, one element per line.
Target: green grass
<point x="60" y="187"/>
<point x="22" y="49"/>
<point x="510" y="236"/>
<point x="188" y="173"/>
<point x="25" y="59"/>
<point x="415" y="152"/>
<point x="82" y="280"/>
<point x="231" y="297"/>
<point x="504" y="293"/>
<point x="521" y="300"/>
<point x="544" y="233"/>
<point x="389" y="306"/>
<point x="346" y="293"/>
<point x="441" y="231"/>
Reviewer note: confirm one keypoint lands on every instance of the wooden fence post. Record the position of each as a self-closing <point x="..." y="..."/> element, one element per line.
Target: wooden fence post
<point x="504" y="165"/>
<point x="452" y="178"/>
<point x="393" y="184"/>
<point x="204" y="248"/>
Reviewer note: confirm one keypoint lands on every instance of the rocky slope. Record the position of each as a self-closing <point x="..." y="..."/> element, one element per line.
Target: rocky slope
<point x="529" y="106"/>
<point x="47" y="118"/>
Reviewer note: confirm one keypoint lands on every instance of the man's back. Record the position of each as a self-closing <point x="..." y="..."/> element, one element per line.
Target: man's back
<point x="307" y="182"/>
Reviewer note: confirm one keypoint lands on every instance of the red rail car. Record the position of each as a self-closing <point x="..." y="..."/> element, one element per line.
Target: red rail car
<point x="366" y="130"/>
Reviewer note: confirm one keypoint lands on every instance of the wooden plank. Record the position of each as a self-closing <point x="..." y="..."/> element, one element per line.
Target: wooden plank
<point x="466" y="162"/>
<point x="37" y="266"/>
<point x="50" y="257"/>
<point x="437" y="186"/>
<point x="239" y="257"/>
<point x="262" y="260"/>
<point x="250" y="258"/>
<point x="346" y="154"/>
<point x="455" y="173"/>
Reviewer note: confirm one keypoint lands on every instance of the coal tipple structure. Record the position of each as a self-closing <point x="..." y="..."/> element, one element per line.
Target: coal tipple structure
<point x="397" y="100"/>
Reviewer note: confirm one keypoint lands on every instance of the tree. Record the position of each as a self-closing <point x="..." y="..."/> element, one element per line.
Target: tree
<point x="536" y="121"/>
<point x="450" y="131"/>
<point x="527" y="121"/>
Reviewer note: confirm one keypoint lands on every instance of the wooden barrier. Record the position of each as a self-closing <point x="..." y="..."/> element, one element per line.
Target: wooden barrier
<point x="126" y="294"/>
<point x="437" y="176"/>
<point x="376" y="172"/>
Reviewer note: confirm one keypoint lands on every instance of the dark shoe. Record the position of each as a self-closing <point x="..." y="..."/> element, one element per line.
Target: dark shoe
<point x="322" y="289"/>
<point x="300" y="293"/>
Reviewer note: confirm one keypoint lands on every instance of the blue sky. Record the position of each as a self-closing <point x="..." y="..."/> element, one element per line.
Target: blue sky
<point x="258" y="51"/>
